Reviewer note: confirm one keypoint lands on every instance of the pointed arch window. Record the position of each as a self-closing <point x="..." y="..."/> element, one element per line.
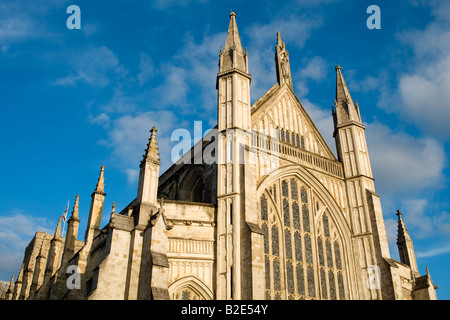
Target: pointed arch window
<point x="330" y="261"/>
<point x="288" y="247"/>
<point x="301" y="261"/>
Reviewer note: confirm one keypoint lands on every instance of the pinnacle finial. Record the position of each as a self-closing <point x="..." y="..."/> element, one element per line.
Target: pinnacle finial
<point x="101" y="181"/>
<point x="75" y="207"/>
<point x="151" y="153"/>
<point x="58" y="228"/>
<point x="113" y="210"/>
<point x="233" y="53"/>
<point x="337" y="68"/>
<point x="402" y="232"/>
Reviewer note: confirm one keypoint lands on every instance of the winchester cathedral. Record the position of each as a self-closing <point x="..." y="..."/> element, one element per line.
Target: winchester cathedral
<point x="276" y="215"/>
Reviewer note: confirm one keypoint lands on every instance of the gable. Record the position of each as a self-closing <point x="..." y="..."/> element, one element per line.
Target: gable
<point x="279" y="114"/>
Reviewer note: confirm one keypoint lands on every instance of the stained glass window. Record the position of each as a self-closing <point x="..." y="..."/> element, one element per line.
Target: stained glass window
<point x="266" y="238"/>
<point x="298" y="247"/>
<point x="304" y="195"/>
<point x="290" y="277"/>
<point x="311" y="282"/>
<point x="332" y="285"/>
<point x="329" y="254"/>
<point x="288" y="243"/>
<point x="286" y="217"/>
<point x="264" y="215"/>
<point x="326" y="229"/>
<point x="267" y="272"/>
<point x="337" y="255"/>
<point x="185" y="295"/>
<point x="293" y="251"/>
<point x="284" y="189"/>
<point x="275" y="243"/>
<point x="341" y="286"/>
<point x="294" y="190"/>
<point x="296" y="215"/>
<point x="320" y="250"/>
<point x="308" y="249"/>
<point x="323" y="284"/>
<point x="306" y="222"/>
<point x="276" y="275"/>
<point x="300" y="280"/>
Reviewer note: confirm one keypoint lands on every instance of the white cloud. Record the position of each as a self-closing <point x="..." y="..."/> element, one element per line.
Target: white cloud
<point x="14" y="29"/>
<point x="23" y="20"/>
<point x="102" y="119"/>
<point x="294" y="29"/>
<point x="128" y="138"/>
<point x="146" y="69"/>
<point x="314" y="69"/>
<point x="189" y="77"/>
<point x="422" y="94"/>
<point x="174" y="89"/>
<point x="94" y="65"/>
<point x="444" y="249"/>
<point x="402" y="163"/>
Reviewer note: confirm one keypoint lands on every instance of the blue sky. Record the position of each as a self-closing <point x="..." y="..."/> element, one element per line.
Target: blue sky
<point x="73" y="100"/>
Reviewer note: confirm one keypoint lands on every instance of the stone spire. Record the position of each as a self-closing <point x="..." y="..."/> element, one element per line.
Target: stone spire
<point x="402" y="232"/>
<point x="100" y="188"/>
<point x="405" y="244"/>
<point x="283" y="67"/>
<point x="75" y="207"/>
<point x="96" y="210"/>
<point x="58" y="229"/>
<point x="149" y="172"/>
<point x="345" y="110"/>
<point x="18" y="285"/>
<point x="232" y="56"/>
<point x="151" y="153"/>
<point x="9" y="292"/>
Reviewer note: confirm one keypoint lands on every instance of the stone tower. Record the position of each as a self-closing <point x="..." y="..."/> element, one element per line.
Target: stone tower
<point x="237" y="241"/>
<point x="366" y="218"/>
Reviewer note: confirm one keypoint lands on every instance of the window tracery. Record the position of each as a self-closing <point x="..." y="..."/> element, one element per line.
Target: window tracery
<point x="300" y="262"/>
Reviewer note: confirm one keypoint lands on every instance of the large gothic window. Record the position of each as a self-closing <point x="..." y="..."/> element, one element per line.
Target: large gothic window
<point x="330" y="261"/>
<point x="301" y="262"/>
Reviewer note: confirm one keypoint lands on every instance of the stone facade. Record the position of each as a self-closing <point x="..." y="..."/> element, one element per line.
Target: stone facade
<point x="276" y="215"/>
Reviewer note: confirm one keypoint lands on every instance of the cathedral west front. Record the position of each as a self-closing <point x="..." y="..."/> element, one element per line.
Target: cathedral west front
<point x="275" y="215"/>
